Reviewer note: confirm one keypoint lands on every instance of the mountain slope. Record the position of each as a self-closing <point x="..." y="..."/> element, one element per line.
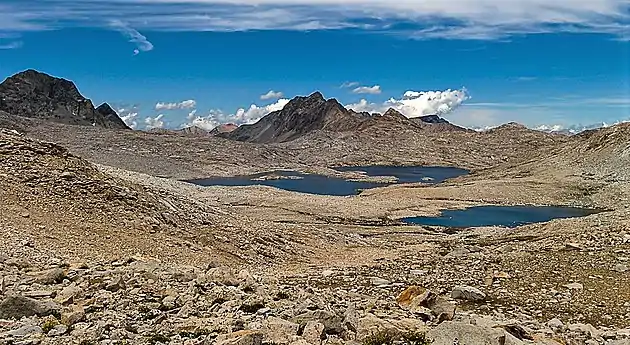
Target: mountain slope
<point x="300" y="116"/>
<point x="33" y="94"/>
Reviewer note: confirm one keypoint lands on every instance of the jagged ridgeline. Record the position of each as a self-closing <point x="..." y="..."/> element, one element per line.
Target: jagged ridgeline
<point x="36" y="95"/>
<point x="303" y="115"/>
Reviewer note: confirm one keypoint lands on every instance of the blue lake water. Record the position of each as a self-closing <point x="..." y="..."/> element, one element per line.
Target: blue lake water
<point x="324" y="185"/>
<point x="506" y="216"/>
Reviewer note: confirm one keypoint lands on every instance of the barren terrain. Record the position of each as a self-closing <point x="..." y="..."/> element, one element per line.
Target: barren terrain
<point x="203" y="262"/>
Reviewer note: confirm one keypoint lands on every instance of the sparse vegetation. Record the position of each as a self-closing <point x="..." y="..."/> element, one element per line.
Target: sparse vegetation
<point x="389" y="337"/>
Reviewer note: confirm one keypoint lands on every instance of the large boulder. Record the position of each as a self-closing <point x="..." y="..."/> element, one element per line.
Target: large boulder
<point x="17" y="307"/>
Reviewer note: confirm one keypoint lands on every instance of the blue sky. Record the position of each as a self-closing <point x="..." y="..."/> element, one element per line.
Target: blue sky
<point x="479" y="63"/>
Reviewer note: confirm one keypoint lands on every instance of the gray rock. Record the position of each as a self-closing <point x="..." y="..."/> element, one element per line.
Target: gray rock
<point x="58" y="330"/>
<point x="621" y="268"/>
<point x="468" y="293"/>
<point x="16" y="307"/>
<point x="333" y="323"/>
<point x="450" y="332"/>
<point x="351" y="318"/>
<point x="26" y="331"/>
<point x="443" y="309"/>
<point x="48" y="277"/>
<point x="379" y="281"/>
<point x="555" y="324"/>
<point x="115" y="285"/>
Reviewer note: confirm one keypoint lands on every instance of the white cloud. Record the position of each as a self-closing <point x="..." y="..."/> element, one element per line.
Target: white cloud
<point x="372" y="90"/>
<point x="240" y="117"/>
<point x="271" y="95"/>
<point x="154" y="122"/>
<point x="349" y="84"/>
<point x="188" y="104"/>
<point x="414" y="103"/>
<point x="454" y="19"/>
<point x="141" y="42"/>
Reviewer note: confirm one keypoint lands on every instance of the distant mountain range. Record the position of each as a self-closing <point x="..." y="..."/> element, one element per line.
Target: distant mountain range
<point x="303" y="115"/>
<point x="32" y="94"/>
<point x="35" y="95"/>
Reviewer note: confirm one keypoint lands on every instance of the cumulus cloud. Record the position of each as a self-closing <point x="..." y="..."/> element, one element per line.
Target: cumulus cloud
<point x="415" y="103"/>
<point x="271" y="95"/>
<point x="141" y="42"/>
<point x="154" y="122"/>
<point x="241" y="117"/>
<point x="372" y="90"/>
<point x="188" y="104"/>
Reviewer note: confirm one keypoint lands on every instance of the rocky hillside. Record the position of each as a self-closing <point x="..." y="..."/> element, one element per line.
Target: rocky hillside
<point x="32" y="94"/>
<point x="304" y="115"/>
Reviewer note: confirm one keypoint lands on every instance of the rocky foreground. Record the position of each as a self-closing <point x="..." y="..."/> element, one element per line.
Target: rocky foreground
<point x="138" y="300"/>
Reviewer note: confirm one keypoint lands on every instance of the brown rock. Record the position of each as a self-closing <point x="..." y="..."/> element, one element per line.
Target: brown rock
<point x="417" y="293"/>
<point x="247" y="337"/>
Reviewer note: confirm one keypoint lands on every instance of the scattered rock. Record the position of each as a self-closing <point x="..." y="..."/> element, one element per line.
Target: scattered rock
<point x="376" y="281"/>
<point x="468" y="293"/>
<point x="574" y="286"/>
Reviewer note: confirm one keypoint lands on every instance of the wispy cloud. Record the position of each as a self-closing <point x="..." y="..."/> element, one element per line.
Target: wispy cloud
<point x="422" y="19"/>
<point x="11" y="45"/>
<point x="188" y="104"/>
<point x="141" y="42"/>
<point x="271" y="95"/>
<point x="349" y="84"/>
<point x="372" y="90"/>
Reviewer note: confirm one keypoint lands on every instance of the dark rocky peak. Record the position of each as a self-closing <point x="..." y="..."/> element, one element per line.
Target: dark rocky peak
<point x="34" y="94"/>
<point x="432" y="119"/>
<point x="39" y="82"/>
<point x="394" y="113"/>
<point x="299" y="117"/>
<point x="110" y="115"/>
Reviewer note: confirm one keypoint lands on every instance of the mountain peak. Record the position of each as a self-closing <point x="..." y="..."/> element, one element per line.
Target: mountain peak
<point x="300" y="116"/>
<point x="35" y="94"/>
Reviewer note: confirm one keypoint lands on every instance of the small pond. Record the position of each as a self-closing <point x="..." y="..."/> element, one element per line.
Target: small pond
<point x="506" y="216"/>
<point x="324" y="185"/>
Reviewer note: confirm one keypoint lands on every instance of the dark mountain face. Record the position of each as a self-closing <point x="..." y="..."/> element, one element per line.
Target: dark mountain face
<point x="110" y="116"/>
<point x="33" y="94"/>
<point x="432" y="119"/>
<point x="299" y="117"/>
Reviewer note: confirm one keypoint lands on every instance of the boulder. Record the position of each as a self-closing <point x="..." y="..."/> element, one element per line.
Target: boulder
<point x="279" y="331"/>
<point x="450" y="332"/>
<point x="48" y="277"/>
<point x="468" y="293"/>
<point x="16" y="307"/>
<point x="333" y="323"/>
<point x="313" y="332"/>
<point x="413" y="294"/>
